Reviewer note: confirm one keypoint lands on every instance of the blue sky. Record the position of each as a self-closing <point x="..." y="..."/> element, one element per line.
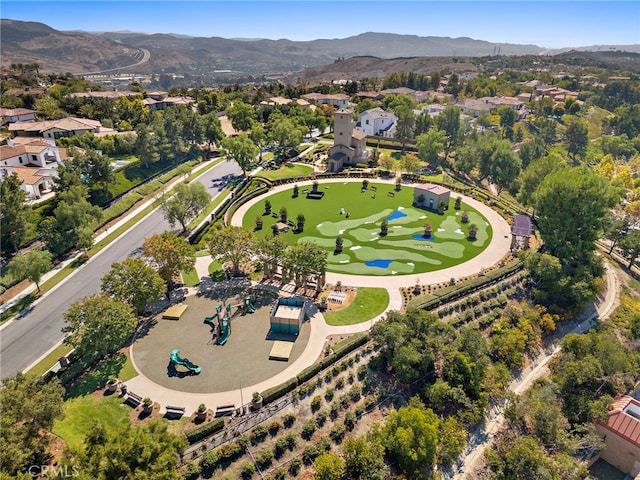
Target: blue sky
<point x="551" y="24"/>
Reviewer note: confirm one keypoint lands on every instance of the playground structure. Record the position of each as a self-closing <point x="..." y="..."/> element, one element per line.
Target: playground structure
<point x="177" y="360"/>
<point x="247" y="304"/>
<point x="286" y="316"/>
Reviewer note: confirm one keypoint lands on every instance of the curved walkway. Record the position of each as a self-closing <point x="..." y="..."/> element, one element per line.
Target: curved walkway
<point x="495" y="251"/>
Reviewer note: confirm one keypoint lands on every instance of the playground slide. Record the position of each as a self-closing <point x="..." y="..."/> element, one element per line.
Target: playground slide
<point x="247" y="303"/>
<point x="175" y="358"/>
<point x="210" y="320"/>
<point x="226" y="331"/>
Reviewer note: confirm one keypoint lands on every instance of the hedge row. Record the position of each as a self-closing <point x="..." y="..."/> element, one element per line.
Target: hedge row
<point x="340" y="350"/>
<point x="427" y="302"/>
<point x="244" y="199"/>
<point x="203" y="431"/>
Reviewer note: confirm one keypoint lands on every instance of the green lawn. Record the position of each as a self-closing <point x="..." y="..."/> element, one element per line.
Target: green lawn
<point x="404" y="250"/>
<point x="190" y="278"/>
<point x="369" y="303"/>
<point x="288" y="170"/>
<point x="82" y="412"/>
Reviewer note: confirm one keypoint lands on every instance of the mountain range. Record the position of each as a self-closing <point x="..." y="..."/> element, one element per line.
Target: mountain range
<point x="82" y="52"/>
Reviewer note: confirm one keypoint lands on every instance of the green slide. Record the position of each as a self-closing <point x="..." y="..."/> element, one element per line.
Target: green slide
<point x="225" y="331"/>
<point x="175" y="358"/>
<point x="247" y="303"/>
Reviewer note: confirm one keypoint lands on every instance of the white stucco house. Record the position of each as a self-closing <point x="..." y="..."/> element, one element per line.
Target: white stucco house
<point x="34" y="161"/>
<point x="376" y="122"/>
<point x="12" y="115"/>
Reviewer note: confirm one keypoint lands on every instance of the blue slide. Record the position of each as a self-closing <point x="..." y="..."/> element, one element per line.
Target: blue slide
<point x="175" y="358"/>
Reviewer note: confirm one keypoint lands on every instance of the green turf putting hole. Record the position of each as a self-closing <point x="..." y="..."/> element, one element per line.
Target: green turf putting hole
<point x="357" y="215"/>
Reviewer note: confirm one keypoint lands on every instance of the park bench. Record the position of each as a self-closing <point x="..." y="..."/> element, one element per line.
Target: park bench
<point x="134" y="399"/>
<point x="222" y="410"/>
<point x="173" y="410"/>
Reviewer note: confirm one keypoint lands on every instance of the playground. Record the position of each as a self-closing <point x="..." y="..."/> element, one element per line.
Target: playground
<point x="215" y="356"/>
<point x="356" y="214"/>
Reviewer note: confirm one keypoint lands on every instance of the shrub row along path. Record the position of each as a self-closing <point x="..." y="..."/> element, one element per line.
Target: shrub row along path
<point x="472" y="459"/>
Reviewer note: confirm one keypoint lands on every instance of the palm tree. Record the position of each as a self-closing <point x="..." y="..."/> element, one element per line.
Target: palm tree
<point x="283" y="214"/>
<point x="258" y="222"/>
<point x="464" y="216"/>
<point x="339" y="244"/>
<point x="300" y="220"/>
<point x="267" y="207"/>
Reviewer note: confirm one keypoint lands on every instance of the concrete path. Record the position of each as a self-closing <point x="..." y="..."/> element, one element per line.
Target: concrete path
<point x="495" y="252"/>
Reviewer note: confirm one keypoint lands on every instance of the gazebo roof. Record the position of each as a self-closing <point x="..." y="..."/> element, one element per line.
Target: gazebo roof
<point x="521" y="226"/>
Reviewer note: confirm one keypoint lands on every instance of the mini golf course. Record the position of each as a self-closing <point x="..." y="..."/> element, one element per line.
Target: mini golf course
<point x="403" y="250"/>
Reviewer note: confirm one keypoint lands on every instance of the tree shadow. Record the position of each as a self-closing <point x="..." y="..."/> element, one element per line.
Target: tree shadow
<point x="96" y="376"/>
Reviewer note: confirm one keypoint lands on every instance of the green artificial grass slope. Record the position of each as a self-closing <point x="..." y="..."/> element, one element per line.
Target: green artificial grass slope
<point x="403" y="250"/>
<point x="369" y="303"/>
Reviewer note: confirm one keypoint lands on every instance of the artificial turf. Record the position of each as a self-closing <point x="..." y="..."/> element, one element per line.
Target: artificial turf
<point x="404" y="250"/>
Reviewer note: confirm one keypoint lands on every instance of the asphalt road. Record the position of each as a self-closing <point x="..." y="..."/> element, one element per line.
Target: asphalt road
<point x="24" y="340"/>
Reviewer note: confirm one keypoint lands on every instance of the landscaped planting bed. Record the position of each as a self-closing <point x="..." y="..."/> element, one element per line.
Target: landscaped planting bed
<point x="337" y="403"/>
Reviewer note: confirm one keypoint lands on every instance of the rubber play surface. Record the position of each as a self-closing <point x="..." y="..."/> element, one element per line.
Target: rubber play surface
<point x="242" y="361"/>
<point x="348" y="211"/>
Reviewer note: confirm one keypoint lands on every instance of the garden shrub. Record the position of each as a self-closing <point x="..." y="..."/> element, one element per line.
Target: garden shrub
<point x="209" y="460"/>
<point x="350" y="420"/>
<point x="203" y="431"/>
<point x="310" y="453"/>
<point x="264" y="458"/>
<point x="328" y="394"/>
<point x="295" y="466"/>
<point x="193" y="471"/>
<point x="292" y="440"/>
<point x="248" y="469"/>
<point x="321" y="418"/>
<point x="308" y="429"/>
<point x="324" y="444"/>
<point x="289" y="419"/>
<point x="337" y="432"/>
<point x="274" y="427"/>
<point x="315" y="403"/>
<point x="258" y="434"/>
<point x="355" y="392"/>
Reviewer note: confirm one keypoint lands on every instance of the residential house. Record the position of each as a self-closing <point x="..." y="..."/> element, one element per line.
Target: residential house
<point x="64" y="127"/>
<point x="375" y="96"/>
<point x="349" y="145"/>
<point x="474" y="107"/>
<point x="13" y="115"/>
<point x="521" y="231"/>
<point x="338" y="100"/>
<point x="621" y="433"/>
<point x="376" y="122"/>
<point x="433" y="109"/>
<point x="34" y="161"/>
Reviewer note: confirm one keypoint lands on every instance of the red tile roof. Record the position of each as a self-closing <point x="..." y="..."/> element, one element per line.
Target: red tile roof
<point x="622" y="422"/>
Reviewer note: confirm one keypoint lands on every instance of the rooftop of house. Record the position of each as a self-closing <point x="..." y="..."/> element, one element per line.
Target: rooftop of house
<point x="377" y="113"/>
<point x="69" y="123"/>
<point x="433" y="188"/>
<point x="521" y="226"/>
<point x="12" y="112"/>
<point x="624" y="419"/>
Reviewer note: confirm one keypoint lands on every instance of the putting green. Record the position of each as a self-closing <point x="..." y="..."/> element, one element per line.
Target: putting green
<point x="365" y="251"/>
